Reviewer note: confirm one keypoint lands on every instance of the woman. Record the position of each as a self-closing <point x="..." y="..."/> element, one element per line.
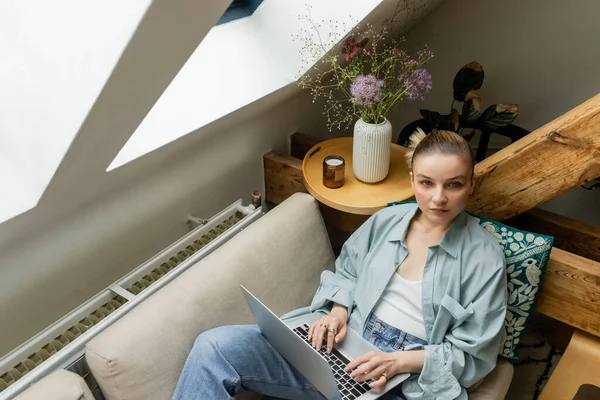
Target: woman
<point x="424" y="283"/>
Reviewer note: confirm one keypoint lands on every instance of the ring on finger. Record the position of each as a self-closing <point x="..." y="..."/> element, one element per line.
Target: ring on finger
<point x="323" y="325"/>
<point x="332" y="330"/>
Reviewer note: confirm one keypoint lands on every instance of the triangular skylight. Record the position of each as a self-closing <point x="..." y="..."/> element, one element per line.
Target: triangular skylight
<point x="236" y="64"/>
<point x="56" y="57"/>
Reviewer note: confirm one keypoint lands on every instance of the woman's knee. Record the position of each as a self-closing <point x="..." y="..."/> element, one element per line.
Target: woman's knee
<point x="226" y="339"/>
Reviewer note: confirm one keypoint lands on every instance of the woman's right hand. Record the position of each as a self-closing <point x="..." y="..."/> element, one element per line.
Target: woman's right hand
<point x="331" y="328"/>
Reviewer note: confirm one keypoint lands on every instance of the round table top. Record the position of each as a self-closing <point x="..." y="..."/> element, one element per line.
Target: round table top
<point x="355" y="197"/>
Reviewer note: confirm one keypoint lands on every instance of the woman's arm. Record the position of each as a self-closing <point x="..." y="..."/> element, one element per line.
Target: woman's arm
<point x="411" y="361"/>
<point x="338" y="287"/>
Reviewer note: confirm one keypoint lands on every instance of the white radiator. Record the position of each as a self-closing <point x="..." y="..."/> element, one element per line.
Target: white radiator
<point x="61" y="344"/>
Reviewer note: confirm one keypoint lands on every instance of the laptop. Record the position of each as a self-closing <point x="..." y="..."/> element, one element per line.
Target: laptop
<point x="325" y="371"/>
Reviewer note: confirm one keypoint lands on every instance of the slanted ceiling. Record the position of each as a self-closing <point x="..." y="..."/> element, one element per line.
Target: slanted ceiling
<point x="91" y="225"/>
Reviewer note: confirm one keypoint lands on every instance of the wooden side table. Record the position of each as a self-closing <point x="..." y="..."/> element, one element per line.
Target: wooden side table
<point x="355" y="197"/>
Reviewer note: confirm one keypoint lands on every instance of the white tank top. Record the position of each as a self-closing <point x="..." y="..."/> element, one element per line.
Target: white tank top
<point x="400" y="305"/>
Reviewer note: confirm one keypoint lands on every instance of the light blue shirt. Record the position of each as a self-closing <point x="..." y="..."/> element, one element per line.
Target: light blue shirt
<point x="464" y="296"/>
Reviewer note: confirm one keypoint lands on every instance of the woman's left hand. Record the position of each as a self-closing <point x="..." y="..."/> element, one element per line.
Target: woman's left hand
<point x="376" y="365"/>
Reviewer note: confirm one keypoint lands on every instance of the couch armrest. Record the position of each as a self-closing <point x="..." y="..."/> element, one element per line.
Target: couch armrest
<point x="279" y="258"/>
<point x="59" y="385"/>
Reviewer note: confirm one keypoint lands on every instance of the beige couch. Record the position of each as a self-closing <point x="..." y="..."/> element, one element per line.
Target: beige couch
<point x="279" y="258"/>
<point x="60" y="385"/>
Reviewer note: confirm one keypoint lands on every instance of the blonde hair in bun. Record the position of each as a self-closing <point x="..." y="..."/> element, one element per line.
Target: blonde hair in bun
<point x="438" y="142"/>
<point x="414" y="140"/>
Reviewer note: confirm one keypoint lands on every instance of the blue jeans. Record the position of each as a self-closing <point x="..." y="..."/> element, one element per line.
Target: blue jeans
<point x="231" y="359"/>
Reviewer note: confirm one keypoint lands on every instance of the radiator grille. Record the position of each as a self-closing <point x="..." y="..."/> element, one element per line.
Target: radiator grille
<point x="49" y="349"/>
<point x="183" y="254"/>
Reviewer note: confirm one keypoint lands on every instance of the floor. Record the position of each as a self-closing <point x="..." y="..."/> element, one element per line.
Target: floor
<point x="537" y="360"/>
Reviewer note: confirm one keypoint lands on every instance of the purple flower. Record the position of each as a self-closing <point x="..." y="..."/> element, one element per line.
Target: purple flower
<point x="350" y="43"/>
<point x="352" y="48"/>
<point x="417" y="82"/>
<point x="367" y="90"/>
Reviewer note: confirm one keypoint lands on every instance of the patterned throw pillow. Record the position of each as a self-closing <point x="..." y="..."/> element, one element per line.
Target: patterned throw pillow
<point x="527" y="256"/>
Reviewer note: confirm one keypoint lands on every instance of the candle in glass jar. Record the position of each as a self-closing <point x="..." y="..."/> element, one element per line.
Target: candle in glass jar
<point x="333" y="172"/>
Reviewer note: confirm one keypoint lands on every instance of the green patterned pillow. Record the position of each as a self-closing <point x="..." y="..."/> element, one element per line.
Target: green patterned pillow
<point x="527" y="256"/>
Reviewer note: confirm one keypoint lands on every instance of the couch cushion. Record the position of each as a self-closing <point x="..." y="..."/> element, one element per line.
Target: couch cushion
<point x="495" y="385"/>
<point x="59" y="385"/>
<point x="279" y="258"/>
<point x="527" y="255"/>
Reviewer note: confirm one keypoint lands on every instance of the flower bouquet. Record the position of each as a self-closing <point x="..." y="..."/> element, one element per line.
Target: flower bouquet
<point x="363" y="78"/>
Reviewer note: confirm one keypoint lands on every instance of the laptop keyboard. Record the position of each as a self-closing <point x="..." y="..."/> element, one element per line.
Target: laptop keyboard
<point x="348" y="387"/>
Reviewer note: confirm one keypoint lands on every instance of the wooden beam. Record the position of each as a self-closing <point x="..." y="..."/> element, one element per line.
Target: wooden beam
<point x="571" y="291"/>
<point x="549" y="161"/>
<point x="283" y="176"/>
<point x="569" y="234"/>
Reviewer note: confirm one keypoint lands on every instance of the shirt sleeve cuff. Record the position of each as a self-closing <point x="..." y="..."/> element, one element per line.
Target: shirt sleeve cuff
<point x="333" y="288"/>
<point x="435" y="380"/>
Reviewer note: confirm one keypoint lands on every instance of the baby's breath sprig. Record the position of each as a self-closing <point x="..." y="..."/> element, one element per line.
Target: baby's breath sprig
<point x="364" y="75"/>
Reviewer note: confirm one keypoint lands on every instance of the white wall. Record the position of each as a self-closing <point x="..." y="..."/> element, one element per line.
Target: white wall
<point x="537" y="53"/>
<point x="56" y="57"/>
<point x="56" y="265"/>
<point x="87" y="224"/>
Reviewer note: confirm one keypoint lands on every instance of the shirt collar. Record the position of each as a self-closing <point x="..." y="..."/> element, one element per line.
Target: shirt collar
<point x="449" y="242"/>
<point x="398" y="232"/>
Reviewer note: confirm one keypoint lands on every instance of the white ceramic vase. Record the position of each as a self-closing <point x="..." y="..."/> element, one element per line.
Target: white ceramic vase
<point x="371" y="150"/>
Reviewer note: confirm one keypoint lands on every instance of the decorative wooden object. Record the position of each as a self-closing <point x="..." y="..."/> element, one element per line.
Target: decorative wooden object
<point x="283" y="176"/>
<point x="355" y="197"/>
<point x="549" y="161"/>
<point x="578" y="366"/>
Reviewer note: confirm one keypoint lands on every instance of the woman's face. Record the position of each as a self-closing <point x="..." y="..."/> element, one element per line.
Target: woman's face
<point x="442" y="185"/>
